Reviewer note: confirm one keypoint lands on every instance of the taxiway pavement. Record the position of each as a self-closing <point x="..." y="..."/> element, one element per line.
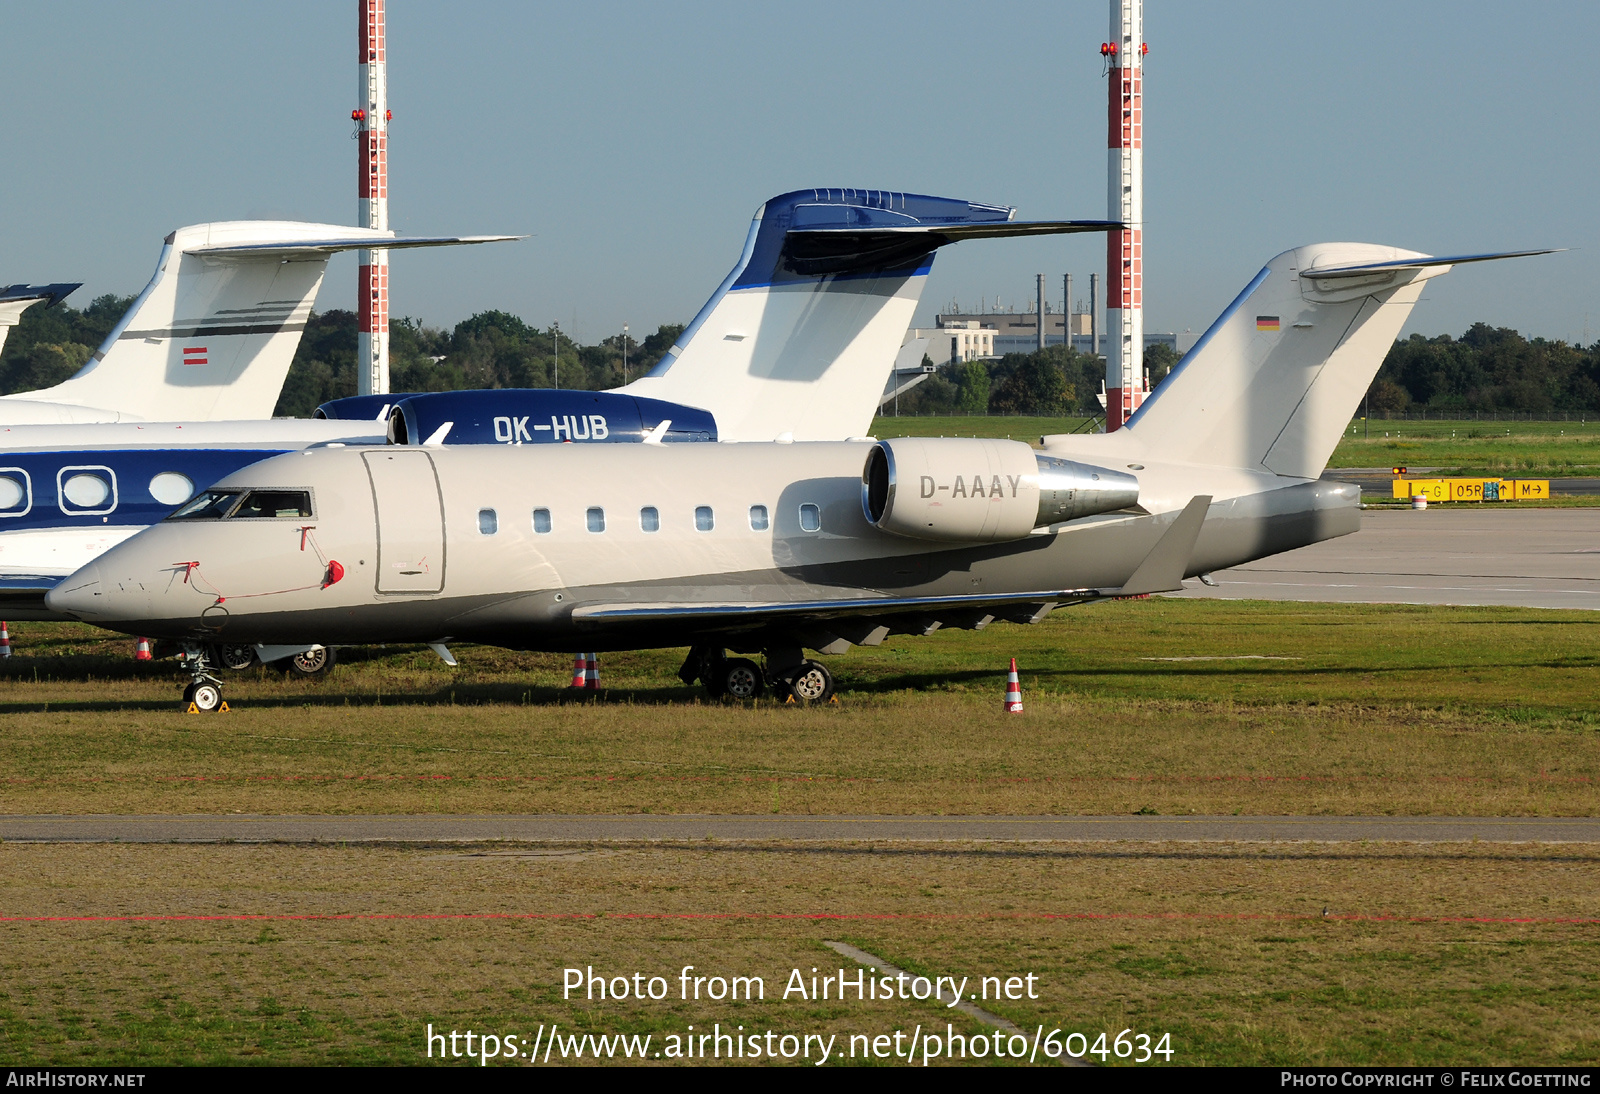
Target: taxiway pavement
<point x="1529" y="558"/>
<point x="811" y="829"/>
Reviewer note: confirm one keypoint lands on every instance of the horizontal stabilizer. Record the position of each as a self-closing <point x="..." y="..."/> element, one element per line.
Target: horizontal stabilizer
<point x="1163" y="568"/>
<point x="52" y="294"/>
<point x="1317" y="273"/>
<point x="16" y="299"/>
<point x="822" y="251"/>
<point x="308" y="248"/>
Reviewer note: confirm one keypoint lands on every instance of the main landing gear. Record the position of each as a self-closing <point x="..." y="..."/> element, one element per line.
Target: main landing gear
<point x="204" y="693"/>
<point x="789" y="675"/>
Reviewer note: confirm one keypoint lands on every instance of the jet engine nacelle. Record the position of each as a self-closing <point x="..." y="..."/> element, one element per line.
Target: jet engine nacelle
<point x="527" y="416"/>
<point x="960" y="490"/>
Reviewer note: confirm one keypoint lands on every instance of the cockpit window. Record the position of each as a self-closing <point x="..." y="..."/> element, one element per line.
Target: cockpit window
<point x="211" y="505"/>
<point x="274" y="503"/>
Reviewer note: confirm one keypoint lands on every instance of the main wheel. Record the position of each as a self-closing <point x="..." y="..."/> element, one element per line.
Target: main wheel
<point x="234" y="655"/>
<point x="740" y="679"/>
<point x="813" y="683"/>
<point x="311" y="662"/>
<point x="207" y="697"/>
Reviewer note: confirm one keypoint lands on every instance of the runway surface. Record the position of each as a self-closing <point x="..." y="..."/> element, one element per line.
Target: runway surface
<point x="1530" y="558"/>
<point x="647" y="828"/>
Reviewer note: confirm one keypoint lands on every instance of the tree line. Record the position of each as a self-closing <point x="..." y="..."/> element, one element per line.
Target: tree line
<point x="1488" y="369"/>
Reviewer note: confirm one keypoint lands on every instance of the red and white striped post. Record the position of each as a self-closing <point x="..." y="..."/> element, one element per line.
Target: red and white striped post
<point x="372" y="191"/>
<point x="1126" y="385"/>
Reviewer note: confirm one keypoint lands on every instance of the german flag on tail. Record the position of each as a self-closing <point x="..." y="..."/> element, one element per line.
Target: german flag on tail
<point x="1267" y="322"/>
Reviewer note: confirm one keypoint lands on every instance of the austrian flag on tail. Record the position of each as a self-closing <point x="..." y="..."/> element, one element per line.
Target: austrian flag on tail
<point x="194" y="355"/>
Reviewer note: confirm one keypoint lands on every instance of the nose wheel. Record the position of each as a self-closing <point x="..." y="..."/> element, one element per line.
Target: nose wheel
<point x="204" y="693"/>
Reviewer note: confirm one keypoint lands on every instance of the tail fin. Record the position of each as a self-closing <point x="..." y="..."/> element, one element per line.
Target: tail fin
<point x="1279" y="375"/>
<point x="16" y="299"/>
<point x="212" y="335"/>
<point x="801" y="336"/>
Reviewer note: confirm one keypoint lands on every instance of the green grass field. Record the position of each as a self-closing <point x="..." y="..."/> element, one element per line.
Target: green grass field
<point x="1302" y="709"/>
<point x="1342" y="954"/>
<point x="1294" y="954"/>
<point x="1553" y="449"/>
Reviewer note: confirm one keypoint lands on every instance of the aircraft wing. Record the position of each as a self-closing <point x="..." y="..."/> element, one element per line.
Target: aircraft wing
<point x="831" y="626"/>
<point x="823" y="624"/>
<point x="22" y="595"/>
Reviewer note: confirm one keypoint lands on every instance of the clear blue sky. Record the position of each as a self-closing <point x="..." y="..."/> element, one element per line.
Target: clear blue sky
<point x="633" y="141"/>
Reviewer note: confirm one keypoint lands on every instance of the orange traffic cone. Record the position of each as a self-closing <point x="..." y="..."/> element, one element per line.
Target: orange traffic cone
<point x="578" y="670"/>
<point x="5" y="639"/>
<point x="591" y="672"/>
<point x="141" y="650"/>
<point x="1013" y="690"/>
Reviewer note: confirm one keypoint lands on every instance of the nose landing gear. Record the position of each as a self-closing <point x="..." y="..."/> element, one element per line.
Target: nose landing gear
<point x="204" y="693"/>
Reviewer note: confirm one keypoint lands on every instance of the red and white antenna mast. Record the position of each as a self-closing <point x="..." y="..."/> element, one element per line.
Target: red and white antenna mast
<point x="1126" y="384"/>
<point x="372" y="190"/>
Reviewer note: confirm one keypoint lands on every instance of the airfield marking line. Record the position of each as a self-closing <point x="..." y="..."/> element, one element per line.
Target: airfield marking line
<point x="815" y="917"/>
<point x="766" y="828"/>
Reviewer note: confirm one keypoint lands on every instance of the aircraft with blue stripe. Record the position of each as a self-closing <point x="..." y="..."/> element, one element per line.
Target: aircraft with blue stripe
<point x="821" y="295"/>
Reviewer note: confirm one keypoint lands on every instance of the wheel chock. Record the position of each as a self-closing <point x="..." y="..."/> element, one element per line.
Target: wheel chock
<point x="789" y="701"/>
<point x="192" y="709"/>
<point x="833" y="700"/>
<point x="224" y="708"/>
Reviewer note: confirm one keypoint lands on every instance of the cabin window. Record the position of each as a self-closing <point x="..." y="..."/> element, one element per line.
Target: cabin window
<point x="541" y="521"/>
<point x="82" y="490"/>
<point x="488" y="522"/>
<point x="703" y="521"/>
<point x="171" y="488"/>
<point x="212" y="505"/>
<point x="596" y="517"/>
<point x="649" y="519"/>
<point x="810" y="517"/>
<point x="16" y="492"/>
<point x="271" y="504"/>
<point x="758" y="518"/>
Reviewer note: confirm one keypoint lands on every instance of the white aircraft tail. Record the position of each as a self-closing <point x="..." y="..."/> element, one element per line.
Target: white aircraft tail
<point x="800" y="338"/>
<point x="212" y="335"/>
<point x="1275" y="381"/>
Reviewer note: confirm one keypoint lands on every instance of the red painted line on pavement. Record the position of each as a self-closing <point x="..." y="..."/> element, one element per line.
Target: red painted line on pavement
<point x="1275" y="917"/>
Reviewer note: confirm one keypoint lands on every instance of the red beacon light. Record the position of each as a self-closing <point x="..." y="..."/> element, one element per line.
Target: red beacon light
<point x="358" y="114"/>
<point x="1144" y="48"/>
<point x="1108" y="49"/>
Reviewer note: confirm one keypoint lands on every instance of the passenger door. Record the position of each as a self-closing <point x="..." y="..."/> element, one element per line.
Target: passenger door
<point x="405" y="489"/>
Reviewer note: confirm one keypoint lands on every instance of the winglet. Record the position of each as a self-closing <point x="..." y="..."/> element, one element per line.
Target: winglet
<point x="1163" y="568"/>
<point x="659" y="433"/>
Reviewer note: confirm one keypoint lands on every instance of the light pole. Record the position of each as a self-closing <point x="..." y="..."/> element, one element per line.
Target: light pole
<point x="555" y="353"/>
<point x="624" y="353"/>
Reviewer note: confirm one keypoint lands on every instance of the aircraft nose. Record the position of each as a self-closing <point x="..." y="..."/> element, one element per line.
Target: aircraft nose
<point x="81" y="594"/>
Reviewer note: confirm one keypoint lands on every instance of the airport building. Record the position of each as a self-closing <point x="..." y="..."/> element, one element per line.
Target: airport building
<point x="963" y="336"/>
